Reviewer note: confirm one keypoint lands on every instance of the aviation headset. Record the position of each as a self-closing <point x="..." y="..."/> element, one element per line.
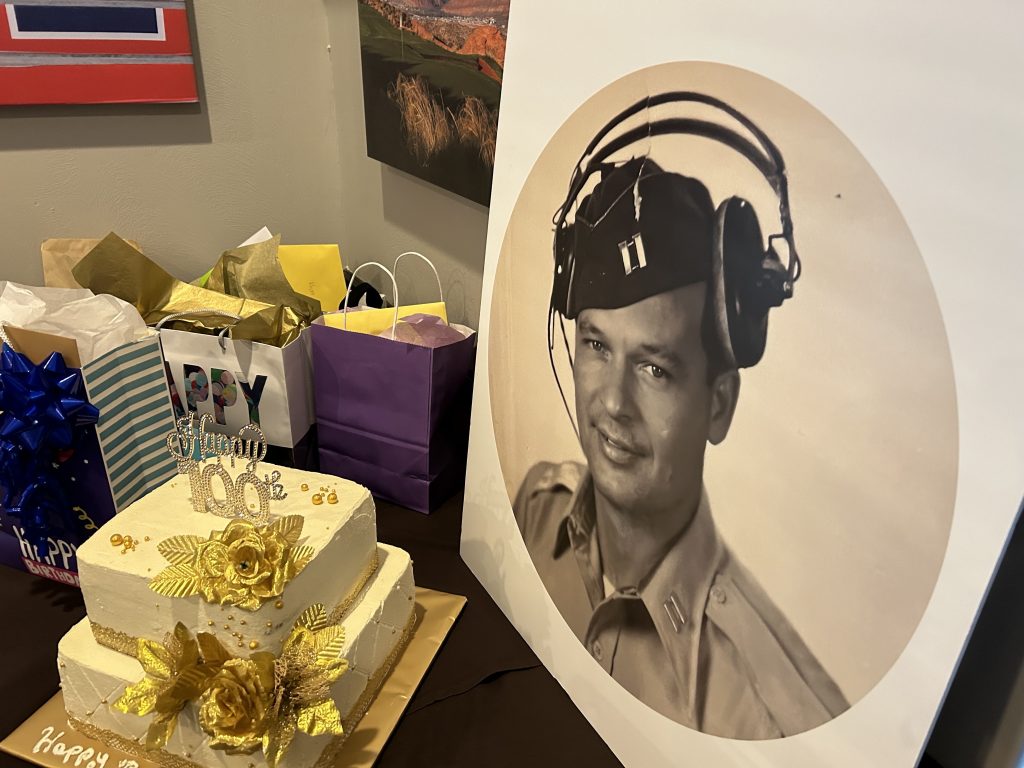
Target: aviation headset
<point x="747" y="278"/>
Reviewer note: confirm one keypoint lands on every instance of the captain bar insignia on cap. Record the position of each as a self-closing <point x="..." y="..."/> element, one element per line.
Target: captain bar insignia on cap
<point x="633" y="256"/>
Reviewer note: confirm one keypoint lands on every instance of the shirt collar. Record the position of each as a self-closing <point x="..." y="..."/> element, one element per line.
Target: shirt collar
<point x="676" y="590"/>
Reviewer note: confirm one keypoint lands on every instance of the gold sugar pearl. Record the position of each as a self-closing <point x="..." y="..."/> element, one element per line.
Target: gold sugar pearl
<point x="231" y="617"/>
<point x="304" y="487"/>
<point x="240" y="643"/>
<point x="146" y="538"/>
<point x="279" y="604"/>
<point x="227" y="627"/>
<point x="270" y="625"/>
<point x="332" y="498"/>
<point x="318" y="499"/>
<point x="209" y="623"/>
<point x="242" y="621"/>
<point x="254" y="644"/>
<point x="117" y="540"/>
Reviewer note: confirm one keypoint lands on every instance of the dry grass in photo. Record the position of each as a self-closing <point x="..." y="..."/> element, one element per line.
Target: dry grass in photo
<point x="425" y="121"/>
<point x="477" y="127"/>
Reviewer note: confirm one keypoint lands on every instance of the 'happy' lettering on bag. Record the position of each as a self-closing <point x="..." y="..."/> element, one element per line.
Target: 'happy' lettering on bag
<point x="222" y="387"/>
<point x="59" y="552"/>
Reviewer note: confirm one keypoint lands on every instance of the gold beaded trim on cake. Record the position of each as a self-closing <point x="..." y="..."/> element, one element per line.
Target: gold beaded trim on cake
<point x="327" y="757"/>
<point x="124" y="643"/>
<point x="129" y="746"/>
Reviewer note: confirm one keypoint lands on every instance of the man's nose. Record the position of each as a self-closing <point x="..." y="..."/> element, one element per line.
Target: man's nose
<point x="617" y="390"/>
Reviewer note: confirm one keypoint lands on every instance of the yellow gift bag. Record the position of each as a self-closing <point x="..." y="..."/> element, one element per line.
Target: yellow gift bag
<point x="376" y="321"/>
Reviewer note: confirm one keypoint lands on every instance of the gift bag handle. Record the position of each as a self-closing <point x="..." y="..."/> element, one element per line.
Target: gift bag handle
<point x="440" y="290"/>
<point x="348" y="292"/>
<point x="221" y="335"/>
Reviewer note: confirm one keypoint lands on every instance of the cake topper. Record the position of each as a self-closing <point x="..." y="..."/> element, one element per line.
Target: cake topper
<point x="190" y="448"/>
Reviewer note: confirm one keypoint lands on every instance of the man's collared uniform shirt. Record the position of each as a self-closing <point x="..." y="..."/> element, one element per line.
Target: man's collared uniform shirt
<point x="697" y="640"/>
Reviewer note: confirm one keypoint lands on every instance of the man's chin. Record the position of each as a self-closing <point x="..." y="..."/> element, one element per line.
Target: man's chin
<point x="622" y="490"/>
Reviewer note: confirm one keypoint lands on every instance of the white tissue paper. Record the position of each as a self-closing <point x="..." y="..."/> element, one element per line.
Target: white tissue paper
<point x="98" y="323"/>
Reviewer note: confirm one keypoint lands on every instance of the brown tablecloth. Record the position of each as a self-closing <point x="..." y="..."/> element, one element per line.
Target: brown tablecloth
<point x="486" y="701"/>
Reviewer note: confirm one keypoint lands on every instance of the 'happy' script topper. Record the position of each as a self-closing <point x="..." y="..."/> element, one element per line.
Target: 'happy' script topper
<point x="191" y="448"/>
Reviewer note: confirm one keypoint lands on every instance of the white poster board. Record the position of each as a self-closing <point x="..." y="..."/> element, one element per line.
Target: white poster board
<point x="875" y="463"/>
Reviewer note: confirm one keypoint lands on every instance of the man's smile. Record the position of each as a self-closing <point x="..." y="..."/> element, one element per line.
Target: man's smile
<point x="617" y="447"/>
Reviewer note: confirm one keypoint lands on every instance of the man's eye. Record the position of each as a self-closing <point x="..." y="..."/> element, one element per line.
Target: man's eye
<point x="596" y="345"/>
<point x="655" y="371"/>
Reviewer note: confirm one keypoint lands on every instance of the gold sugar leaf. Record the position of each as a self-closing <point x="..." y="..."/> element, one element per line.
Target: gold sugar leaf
<point x="331" y="652"/>
<point x="175" y="581"/>
<point x="289" y="527"/>
<point x="299" y="559"/>
<point x="188" y="684"/>
<point x="160" y="730"/>
<point x="278" y="738"/>
<point x="327" y="634"/>
<point x="154" y="658"/>
<point x="211" y="649"/>
<point x="320" y="718"/>
<point x="138" y="698"/>
<point x="179" y="549"/>
<point x="313" y="618"/>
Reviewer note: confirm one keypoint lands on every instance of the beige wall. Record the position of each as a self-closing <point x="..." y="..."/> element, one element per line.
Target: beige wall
<point x="278" y="140"/>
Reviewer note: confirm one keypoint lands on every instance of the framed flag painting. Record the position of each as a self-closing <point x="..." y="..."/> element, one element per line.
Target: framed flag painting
<point x="96" y="52"/>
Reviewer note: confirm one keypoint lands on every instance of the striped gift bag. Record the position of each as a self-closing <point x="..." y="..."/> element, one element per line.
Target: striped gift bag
<point x="129" y="387"/>
<point x="117" y="461"/>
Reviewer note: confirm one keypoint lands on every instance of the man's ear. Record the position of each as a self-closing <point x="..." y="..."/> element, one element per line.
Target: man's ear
<point x="725" y="392"/>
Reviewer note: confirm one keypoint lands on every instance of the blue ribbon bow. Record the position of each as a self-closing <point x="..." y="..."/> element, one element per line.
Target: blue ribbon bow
<point x="43" y="409"/>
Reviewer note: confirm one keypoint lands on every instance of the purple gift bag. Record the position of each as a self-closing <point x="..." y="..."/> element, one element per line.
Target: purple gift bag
<point x="392" y="415"/>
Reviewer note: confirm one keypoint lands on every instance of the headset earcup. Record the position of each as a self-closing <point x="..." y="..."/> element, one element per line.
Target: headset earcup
<point x="737" y="258"/>
<point x="563" y="248"/>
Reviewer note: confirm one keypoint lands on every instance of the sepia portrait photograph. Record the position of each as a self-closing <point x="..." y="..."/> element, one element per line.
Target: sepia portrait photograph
<point x="722" y="400"/>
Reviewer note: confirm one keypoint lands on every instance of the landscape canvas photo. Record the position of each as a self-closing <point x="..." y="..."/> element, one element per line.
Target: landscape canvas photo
<point x="432" y="73"/>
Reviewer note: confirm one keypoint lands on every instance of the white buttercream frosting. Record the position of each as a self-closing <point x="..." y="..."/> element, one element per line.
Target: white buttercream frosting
<point x="93" y="677"/>
<point x="115" y="583"/>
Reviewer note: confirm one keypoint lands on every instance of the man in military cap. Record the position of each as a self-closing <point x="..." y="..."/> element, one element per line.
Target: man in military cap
<point x="627" y="546"/>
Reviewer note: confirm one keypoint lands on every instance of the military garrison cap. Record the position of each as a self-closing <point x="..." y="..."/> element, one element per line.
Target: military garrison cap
<point x="642" y="231"/>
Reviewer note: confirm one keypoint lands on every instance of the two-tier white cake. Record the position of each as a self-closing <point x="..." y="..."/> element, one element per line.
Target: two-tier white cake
<point x="236" y="642"/>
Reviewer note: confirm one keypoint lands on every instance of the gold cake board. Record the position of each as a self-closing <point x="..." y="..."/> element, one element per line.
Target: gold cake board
<point x="436" y="612"/>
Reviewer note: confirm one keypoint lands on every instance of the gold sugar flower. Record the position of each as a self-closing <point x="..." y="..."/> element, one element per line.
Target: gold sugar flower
<point x="243" y="704"/>
<point x="176" y="672"/>
<point x="309" y="664"/>
<point x="234" y="707"/>
<point x="243" y="565"/>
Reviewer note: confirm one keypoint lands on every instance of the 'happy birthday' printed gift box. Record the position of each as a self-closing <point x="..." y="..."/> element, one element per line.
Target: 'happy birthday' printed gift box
<point x="79" y="442"/>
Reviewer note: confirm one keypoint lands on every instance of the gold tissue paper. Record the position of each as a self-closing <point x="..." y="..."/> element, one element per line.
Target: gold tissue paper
<point x="115" y="267"/>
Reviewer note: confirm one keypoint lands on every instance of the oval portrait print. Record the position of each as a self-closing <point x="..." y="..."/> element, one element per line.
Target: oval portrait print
<point x="723" y="401"/>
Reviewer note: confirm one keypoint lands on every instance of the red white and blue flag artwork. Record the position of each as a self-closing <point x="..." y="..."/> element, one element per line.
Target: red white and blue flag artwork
<point x="95" y="52"/>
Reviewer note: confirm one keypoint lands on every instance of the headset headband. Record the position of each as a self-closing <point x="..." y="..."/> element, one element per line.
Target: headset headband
<point x="765" y="157"/>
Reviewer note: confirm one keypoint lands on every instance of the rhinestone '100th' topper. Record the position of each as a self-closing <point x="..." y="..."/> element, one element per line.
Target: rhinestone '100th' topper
<point x="191" y="448"/>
